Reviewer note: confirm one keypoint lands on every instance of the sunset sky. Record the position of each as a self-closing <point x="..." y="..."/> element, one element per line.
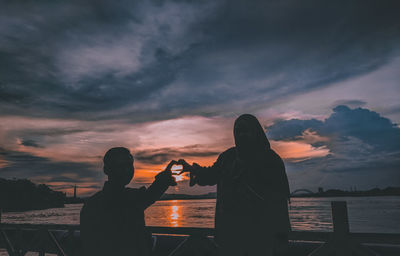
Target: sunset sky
<point x="167" y="79"/>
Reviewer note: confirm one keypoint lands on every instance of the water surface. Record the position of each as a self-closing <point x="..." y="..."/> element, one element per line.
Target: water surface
<point x="366" y="214"/>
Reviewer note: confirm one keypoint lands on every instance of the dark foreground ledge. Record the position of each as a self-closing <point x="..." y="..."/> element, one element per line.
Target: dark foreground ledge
<point x="65" y="240"/>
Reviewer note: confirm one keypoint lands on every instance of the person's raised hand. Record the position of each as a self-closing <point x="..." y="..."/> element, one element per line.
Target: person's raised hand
<point x="192" y="169"/>
<point x="167" y="173"/>
<point x="185" y="166"/>
<point x="169" y="166"/>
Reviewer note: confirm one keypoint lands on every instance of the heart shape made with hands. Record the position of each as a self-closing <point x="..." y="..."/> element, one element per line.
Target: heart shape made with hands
<point x="176" y="169"/>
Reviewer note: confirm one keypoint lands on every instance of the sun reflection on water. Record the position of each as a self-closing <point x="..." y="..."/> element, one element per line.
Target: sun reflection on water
<point x="175" y="214"/>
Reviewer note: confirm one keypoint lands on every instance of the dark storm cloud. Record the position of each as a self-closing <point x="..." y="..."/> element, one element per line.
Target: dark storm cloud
<point x="362" y="124"/>
<point x="364" y="149"/>
<point x="288" y="130"/>
<point x="163" y="155"/>
<point x="51" y="131"/>
<point x="30" y="143"/>
<point x="23" y="165"/>
<point x="359" y="140"/>
<point x="350" y="103"/>
<point x="147" y="60"/>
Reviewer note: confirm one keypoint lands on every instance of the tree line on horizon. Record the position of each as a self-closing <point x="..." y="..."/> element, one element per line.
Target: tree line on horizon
<point x="24" y="195"/>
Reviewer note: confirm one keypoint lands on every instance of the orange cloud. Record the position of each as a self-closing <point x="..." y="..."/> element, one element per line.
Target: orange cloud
<point x="298" y="150"/>
<point x="3" y="163"/>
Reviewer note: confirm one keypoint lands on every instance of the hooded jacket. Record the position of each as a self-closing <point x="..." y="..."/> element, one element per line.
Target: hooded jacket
<point x="252" y="194"/>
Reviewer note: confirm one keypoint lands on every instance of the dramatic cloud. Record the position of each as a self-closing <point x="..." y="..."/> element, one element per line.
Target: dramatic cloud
<point x="369" y="127"/>
<point x="148" y="60"/>
<point x="24" y="165"/>
<point x="350" y="103"/>
<point x="30" y="143"/>
<point x="361" y="143"/>
<point x="162" y="155"/>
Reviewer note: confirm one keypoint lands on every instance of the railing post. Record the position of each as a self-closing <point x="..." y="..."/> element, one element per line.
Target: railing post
<point x="341" y="239"/>
<point x="338" y="244"/>
<point x="340" y="218"/>
<point x="42" y="239"/>
<point x="341" y="244"/>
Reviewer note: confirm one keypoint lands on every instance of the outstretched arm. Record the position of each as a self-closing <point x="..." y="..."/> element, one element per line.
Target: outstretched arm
<point x="203" y="176"/>
<point x="162" y="181"/>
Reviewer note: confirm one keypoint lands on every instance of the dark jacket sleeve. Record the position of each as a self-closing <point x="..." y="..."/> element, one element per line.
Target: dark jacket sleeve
<point x="156" y="189"/>
<point x="210" y="176"/>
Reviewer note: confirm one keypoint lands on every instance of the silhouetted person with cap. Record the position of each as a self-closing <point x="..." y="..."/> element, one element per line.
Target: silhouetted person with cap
<point x="252" y="193"/>
<point x="112" y="220"/>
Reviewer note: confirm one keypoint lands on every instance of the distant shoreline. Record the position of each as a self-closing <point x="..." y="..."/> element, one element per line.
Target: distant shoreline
<point x="302" y="196"/>
<point x="23" y="195"/>
<point x="389" y="191"/>
<point x="318" y="196"/>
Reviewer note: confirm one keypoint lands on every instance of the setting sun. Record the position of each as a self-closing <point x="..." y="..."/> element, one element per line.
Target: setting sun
<point x="179" y="177"/>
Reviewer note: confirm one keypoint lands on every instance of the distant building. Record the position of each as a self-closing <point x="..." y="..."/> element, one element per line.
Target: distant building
<point x="320" y="190"/>
<point x="75" y="191"/>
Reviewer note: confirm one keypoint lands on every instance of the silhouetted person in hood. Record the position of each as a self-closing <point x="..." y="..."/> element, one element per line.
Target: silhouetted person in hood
<point x="112" y="220"/>
<point x="252" y="193"/>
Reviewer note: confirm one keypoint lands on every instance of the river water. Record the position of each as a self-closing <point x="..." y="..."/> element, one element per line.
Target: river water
<point x="366" y="214"/>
